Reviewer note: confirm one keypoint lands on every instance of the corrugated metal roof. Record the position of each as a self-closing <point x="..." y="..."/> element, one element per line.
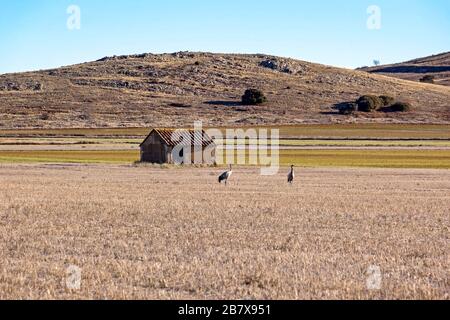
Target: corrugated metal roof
<point x="175" y="137"/>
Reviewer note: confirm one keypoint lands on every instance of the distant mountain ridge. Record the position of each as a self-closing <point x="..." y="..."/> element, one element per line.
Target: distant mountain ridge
<point x="437" y="66"/>
<point x="171" y="90"/>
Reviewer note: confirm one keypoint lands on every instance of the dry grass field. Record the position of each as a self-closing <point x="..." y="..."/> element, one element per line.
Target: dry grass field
<point x="144" y="232"/>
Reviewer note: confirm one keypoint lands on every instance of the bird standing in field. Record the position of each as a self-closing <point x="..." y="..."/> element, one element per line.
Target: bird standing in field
<point x="226" y="175"/>
<point x="291" y="175"/>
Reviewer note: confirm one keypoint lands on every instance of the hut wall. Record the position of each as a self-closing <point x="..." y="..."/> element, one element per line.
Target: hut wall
<point x="154" y="150"/>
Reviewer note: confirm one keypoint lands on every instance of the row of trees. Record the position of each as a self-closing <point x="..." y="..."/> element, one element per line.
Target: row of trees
<point x="366" y="103"/>
<point x="372" y="103"/>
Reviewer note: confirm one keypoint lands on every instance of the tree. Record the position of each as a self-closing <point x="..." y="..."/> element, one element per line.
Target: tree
<point x="427" y="79"/>
<point x="387" y="100"/>
<point x="369" y="103"/>
<point x="253" y="97"/>
<point x="347" y="108"/>
<point x="400" y="107"/>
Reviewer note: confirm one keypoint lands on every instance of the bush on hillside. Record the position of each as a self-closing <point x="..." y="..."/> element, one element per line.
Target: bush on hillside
<point x="369" y="103"/>
<point x="347" y="108"/>
<point x="253" y="97"/>
<point x="400" y="107"/>
<point x="387" y="100"/>
<point x="427" y="79"/>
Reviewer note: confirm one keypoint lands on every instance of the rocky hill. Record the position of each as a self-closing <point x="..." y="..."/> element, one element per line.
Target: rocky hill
<point x="177" y="89"/>
<point x="437" y="66"/>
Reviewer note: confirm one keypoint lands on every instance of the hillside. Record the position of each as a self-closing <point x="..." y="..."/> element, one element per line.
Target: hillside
<point x="437" y="66"/>
<point x="176" y="89"/>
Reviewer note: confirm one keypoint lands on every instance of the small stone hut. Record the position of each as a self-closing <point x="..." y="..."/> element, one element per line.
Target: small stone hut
<point x="168" y="146"/>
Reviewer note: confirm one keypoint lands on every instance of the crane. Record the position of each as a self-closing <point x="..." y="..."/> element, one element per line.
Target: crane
<point x="226" y="175"/>
<point x="291" y="175"/>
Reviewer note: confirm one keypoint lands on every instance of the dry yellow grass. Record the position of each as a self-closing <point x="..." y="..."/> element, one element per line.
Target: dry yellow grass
<point x="143" y="232"/>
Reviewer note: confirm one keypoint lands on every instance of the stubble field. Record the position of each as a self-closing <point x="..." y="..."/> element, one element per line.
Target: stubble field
<point x="145" y="232"/>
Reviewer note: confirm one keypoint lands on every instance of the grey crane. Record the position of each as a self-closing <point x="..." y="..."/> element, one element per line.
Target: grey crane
<point x="291" y="175"/>
<point x="226" y="175"/>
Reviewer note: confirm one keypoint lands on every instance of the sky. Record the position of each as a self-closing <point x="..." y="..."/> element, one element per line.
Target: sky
<point x="43" y="34"/>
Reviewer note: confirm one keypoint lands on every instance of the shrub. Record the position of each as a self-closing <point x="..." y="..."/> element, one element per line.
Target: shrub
<point x="84" y="116"/>
<point x="427" y="79"/>
<point x="180" y="105"/>
<point x="387" y="100"/>
<point x="400" y="107"/>
<point x="253" y="97"/>
<point x="347" y="108"/>
<point x="369" y="103"/>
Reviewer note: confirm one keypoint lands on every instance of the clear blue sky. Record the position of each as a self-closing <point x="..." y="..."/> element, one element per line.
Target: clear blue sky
<point x="34" y="33"/>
